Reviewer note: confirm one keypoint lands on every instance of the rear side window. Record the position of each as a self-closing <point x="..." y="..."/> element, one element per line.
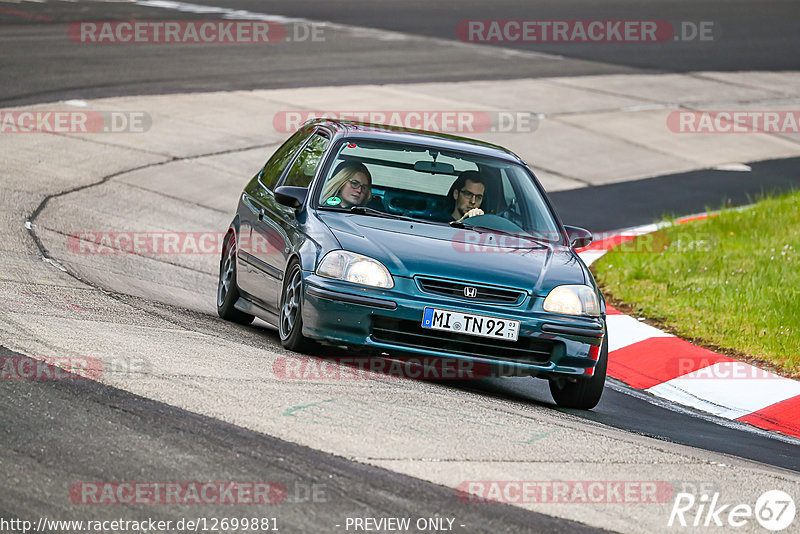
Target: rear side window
<point x="280" y="159"/>
<point x="305" y="166"/>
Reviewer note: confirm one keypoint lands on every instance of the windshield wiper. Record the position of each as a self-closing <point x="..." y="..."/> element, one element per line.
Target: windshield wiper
<point x="372" y="212"/>
<point x="364" y="210"/>
<point x="476" y="227"/>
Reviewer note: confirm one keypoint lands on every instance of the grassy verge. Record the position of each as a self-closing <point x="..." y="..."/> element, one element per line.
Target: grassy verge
<point x="730" y="282"/>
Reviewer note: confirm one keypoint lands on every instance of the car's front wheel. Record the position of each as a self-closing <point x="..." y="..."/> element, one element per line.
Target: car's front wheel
<point x="290" y="326"/>
<point x="227" y="290"/>
<point x="583" y="394"/>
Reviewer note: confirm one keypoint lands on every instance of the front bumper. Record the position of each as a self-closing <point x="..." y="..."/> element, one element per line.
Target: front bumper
<point x="387" y="321"/>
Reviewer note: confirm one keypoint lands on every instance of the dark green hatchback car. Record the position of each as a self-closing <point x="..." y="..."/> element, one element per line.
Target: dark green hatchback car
<point x="402" y="243"/>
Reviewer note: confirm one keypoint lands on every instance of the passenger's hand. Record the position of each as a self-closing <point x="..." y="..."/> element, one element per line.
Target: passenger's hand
<point x="474" y="212"/>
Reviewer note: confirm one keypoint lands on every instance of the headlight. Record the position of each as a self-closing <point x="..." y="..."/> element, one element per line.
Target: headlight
<point x="573" y="300"/>
<point x="356" y="268"/>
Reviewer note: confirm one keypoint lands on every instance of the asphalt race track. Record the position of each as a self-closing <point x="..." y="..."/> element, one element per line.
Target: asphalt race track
<point x="38" y="68"/>
<point x="382" y="449"/>
<point x="641" y="202"/>
<point x="111" y="424"/>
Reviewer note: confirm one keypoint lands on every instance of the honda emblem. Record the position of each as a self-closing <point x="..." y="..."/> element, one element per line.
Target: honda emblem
<point x="470" y="292"/>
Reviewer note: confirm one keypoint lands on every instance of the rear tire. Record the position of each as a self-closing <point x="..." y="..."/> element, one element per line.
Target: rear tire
<point x="227" y="290"/>
<point x="290" y="312"/>
<point x="583" y="394"/>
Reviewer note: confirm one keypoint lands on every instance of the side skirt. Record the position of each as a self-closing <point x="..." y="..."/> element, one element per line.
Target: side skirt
<point x="258" y="311"/>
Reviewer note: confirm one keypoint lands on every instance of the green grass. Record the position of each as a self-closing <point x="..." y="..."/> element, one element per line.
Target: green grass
<point x="730" y="281"/>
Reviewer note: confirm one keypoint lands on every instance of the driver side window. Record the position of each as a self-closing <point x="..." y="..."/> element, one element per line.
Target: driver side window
<point x="305" y="165"/>
<point x="280" y="159"/>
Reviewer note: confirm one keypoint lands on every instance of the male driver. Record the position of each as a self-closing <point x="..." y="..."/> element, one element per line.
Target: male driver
<point x="466" y="194"/>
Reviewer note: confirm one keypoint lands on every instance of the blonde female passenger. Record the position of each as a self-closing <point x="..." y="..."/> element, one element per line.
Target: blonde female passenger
<point x="350" y="186"/>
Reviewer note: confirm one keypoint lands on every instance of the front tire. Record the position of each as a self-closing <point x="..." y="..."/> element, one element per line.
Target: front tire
<point x="583" y="394"/>
<point x="227" y="290"/>
<point x="290" y="324"/>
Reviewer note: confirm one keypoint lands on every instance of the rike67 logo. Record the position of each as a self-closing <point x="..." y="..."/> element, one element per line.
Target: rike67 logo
<point x="774" y="510"/>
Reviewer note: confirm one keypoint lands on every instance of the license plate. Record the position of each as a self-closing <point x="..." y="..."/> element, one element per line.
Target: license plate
<point x="467" y="323"/>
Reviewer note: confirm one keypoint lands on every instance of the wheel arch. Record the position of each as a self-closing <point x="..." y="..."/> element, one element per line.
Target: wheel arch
<point x="233" y="228"/>
<point x="307" y="255"/>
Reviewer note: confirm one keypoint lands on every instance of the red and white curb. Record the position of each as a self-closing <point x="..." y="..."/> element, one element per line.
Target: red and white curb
<point x="671" y="368"/>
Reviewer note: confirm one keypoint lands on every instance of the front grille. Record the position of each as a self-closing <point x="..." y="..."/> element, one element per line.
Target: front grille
<point x="411" y="334"/>
<point x="494" y="295"/>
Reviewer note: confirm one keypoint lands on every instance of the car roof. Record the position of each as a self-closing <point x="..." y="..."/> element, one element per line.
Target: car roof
<point x="383" y="132"/>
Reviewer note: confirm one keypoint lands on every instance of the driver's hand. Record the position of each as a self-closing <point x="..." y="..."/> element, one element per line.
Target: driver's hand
<point x="474" y="212"/>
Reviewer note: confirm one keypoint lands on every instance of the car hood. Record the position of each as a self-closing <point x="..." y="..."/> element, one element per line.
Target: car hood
<point x="418" y="248"/>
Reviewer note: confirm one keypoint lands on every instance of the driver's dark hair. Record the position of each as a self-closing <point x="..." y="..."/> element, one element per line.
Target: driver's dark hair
<point x="461" y="181"/>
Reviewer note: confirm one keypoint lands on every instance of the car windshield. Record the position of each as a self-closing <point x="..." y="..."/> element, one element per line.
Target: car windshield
<point x="436" y="186"/>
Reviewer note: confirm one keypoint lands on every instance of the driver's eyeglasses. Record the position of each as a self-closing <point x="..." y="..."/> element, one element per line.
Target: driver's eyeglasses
<point x="355" y="184"/>
<point x="470" y="195"/>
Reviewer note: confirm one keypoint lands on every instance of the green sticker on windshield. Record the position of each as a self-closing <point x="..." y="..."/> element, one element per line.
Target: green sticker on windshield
<point x="333" y="201"/>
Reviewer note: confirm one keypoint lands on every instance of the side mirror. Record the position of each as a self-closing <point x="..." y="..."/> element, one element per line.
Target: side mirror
<point x="578" y="237"/>
<point x="290" y="195"/>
